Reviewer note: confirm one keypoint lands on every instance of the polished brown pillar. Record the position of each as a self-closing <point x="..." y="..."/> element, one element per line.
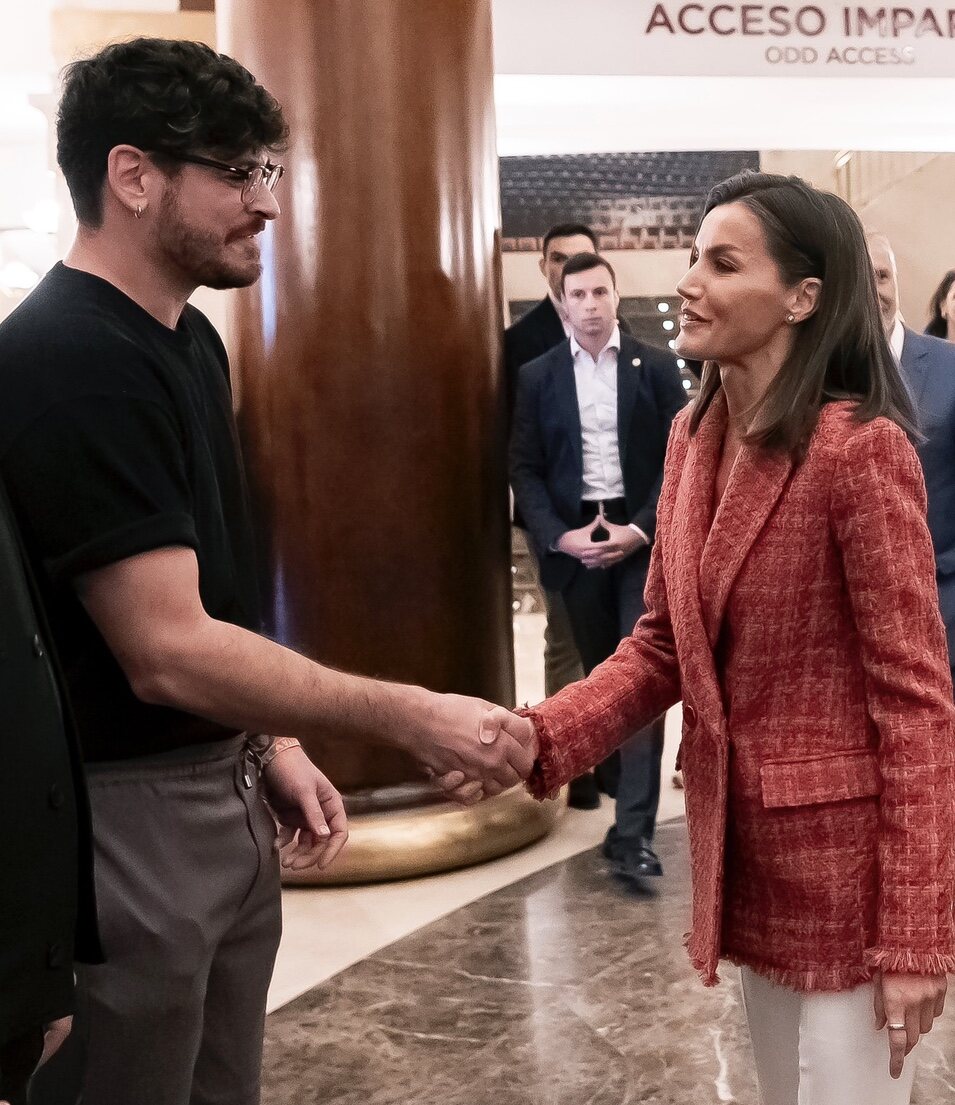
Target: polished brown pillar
<point x="368" y="371"/>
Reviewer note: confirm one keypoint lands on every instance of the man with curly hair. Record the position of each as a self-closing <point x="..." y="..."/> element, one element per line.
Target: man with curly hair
<point x="118" y="447"/>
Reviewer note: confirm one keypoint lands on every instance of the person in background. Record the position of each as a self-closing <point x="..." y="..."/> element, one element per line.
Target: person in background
<point x="928" y="365"/>
<point x="590" y="431"/>
<point x="534" y="333"/>
<point x="942" y="309"/>
<point x="539" y="330"/>
<point x="545" y="324"/>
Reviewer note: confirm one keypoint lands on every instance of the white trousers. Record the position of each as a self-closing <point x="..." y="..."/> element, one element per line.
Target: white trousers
<point x="821" y="1048"/>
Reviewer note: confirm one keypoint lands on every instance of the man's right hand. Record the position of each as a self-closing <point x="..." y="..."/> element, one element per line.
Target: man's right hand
<point x="54" y="1036"/>
<point x="577" y="542"/>
<point x="498" y="724"/>
<point x="472" y="748"/>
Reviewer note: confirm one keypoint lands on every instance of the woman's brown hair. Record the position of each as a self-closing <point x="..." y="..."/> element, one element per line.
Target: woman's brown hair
<point x="840" y="351"/>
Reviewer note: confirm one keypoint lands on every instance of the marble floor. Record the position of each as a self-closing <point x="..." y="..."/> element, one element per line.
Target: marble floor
<point x="535" y="979"/>
<point x="565" y="988"/>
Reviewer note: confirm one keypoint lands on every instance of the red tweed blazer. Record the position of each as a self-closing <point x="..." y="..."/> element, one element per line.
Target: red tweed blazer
<point x="800" y="626"/>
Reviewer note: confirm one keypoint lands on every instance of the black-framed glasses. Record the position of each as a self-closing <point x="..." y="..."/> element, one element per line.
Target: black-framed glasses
<point x="252" y="178"/>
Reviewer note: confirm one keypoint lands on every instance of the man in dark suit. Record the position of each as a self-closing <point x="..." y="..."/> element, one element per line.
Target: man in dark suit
<point x="929" y="367"/>
<point x="46" y="896"/>
<point x="535" y="333"/>
<point x="544" y="326"/>
<point x="591" y="424"/>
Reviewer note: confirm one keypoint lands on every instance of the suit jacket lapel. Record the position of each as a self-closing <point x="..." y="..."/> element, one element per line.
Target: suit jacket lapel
<point x="755" y="485"/>
<point x="565" y="393"/>
<point x="630" y="378"/>
<point x="550" y="321"/>
<point x="913" y="365"/>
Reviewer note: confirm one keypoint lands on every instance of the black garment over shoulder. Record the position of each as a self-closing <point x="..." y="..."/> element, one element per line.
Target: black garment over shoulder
<point x="117" y="437"/>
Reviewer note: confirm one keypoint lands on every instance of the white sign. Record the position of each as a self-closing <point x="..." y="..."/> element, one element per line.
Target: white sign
<point x="825" y="38"/>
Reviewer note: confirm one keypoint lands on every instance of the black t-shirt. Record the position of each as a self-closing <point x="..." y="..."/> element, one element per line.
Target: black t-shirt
<point x="116" y="437"/>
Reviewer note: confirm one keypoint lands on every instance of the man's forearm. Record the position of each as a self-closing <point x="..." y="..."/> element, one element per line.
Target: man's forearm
<point x="241" y="679"/>
<point x="149" y="611"/>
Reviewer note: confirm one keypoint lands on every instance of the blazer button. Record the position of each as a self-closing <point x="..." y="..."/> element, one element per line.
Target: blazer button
<point x="55" y="797"/>
<point x="38" y="647"/>
<point x="55" y="956"/>
<point x="689" y="714"/>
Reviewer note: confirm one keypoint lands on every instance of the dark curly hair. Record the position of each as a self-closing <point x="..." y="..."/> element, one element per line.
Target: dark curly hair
<point x="840" y="351"/>
<point x="162" y="96"/>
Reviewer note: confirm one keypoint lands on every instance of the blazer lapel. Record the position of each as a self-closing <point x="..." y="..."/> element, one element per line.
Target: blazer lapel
<point x="755" y="485"/>
<point x="694" y="507"/>
<point x="683" y="551"/>
<point x="630" y="377"/>
<point x="565" y="394"/>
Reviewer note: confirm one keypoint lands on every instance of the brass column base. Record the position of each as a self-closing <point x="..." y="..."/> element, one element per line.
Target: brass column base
<point x="405" y="843"/>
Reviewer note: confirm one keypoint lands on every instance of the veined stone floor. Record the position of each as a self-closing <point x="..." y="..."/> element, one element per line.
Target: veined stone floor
<point x="565" y="988"/>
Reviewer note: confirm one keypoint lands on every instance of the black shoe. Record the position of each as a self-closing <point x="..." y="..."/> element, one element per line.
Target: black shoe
<point x="610" y="847"/>
<point x="583" y="794"/>
<point x="636" y="863"/>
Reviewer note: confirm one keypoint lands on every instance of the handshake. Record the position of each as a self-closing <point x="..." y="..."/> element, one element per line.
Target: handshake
<point x="473" y="749"/>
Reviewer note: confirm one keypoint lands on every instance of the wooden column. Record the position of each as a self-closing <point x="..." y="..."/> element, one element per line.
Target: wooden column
<point x="368" y="370"/>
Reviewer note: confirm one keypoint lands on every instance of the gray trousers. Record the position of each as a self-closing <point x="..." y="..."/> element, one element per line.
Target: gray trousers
<point x="188" y="889"/>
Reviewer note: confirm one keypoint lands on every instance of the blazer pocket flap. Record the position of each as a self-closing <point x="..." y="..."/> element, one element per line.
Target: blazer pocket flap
<point x="823" y="779"/>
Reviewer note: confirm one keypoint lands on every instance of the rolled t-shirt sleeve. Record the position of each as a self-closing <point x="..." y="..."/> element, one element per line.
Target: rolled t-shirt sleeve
<point x="98" y="478"/>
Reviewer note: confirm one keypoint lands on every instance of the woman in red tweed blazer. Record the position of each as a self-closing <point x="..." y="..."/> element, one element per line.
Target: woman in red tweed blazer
<point x="791" y="604"/>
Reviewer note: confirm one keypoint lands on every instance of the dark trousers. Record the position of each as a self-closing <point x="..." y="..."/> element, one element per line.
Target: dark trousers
<point x="604" y="605"/>
<point x="18" y="1060"/>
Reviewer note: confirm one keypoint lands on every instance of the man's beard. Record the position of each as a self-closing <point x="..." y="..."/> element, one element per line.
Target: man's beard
<point x="199" y="255"/>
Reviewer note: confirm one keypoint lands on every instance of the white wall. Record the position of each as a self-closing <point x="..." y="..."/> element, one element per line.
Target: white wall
<point x="581" y="114"/>
<point x="915" y="214"/>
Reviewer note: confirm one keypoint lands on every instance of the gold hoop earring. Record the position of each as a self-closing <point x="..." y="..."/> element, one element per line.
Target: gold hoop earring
<point x="139" y="211"/>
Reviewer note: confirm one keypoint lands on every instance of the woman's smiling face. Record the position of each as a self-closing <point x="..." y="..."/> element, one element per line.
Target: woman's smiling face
<point x="734" y="300"/>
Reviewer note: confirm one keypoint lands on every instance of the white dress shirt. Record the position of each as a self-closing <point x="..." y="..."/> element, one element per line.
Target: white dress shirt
<point x="596" y="382"/>
<point x="597" y="401"/>
<point x="897" y="340"/>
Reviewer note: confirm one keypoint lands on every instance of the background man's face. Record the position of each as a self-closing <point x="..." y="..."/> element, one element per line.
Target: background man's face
<point x="590" y="303"/>
<point x="560" y="250"/>
<point x="886" y="281"/>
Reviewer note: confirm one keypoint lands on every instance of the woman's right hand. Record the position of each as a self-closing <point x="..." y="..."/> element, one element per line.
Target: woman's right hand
<point x="907" y="1005"/>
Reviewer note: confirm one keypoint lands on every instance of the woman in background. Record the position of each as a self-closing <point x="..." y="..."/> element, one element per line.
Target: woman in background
<point x="792" y="605"/>
<point x="942" y="309"/>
